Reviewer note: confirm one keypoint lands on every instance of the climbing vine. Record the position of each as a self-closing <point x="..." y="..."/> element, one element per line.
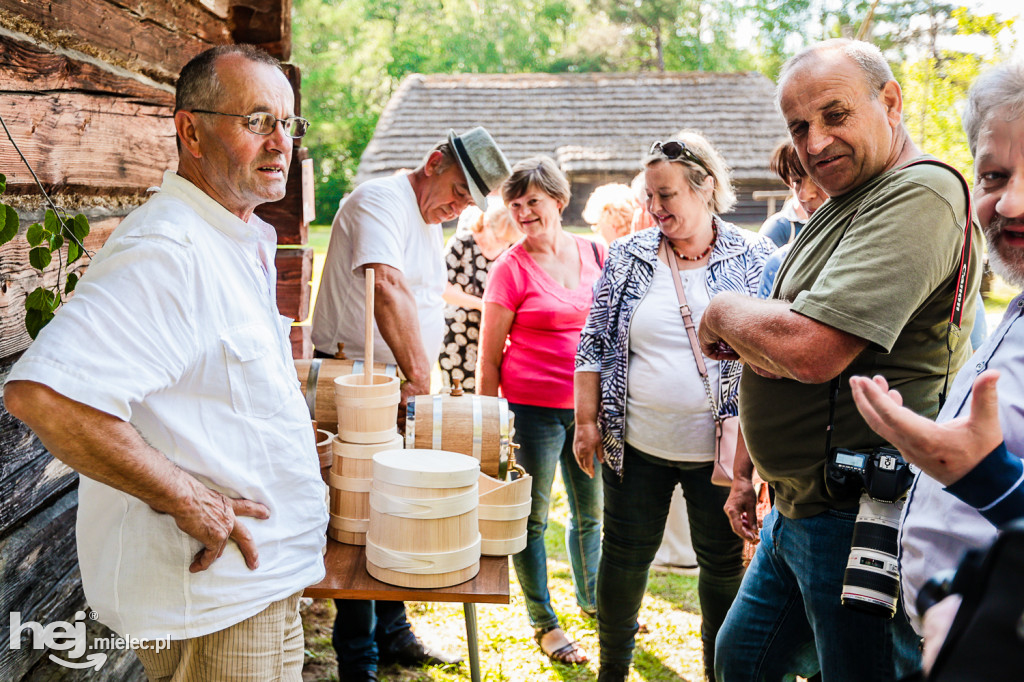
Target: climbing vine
<point x="46" y="240"/>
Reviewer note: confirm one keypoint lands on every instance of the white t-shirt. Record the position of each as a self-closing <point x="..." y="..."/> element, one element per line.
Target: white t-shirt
<point x="379" y="222"/>
<point x="667" y="411"/>
<point x="174" y="328"/>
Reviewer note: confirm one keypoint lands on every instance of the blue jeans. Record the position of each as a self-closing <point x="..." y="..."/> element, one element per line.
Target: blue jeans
<point x="545" y="436"/>
<point x="635" y="512"/>
<point x="362" y="628"/>
<point x="788" y="620"/>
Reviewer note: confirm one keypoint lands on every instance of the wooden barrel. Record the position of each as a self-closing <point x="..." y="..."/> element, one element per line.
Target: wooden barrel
<point x="474" y="425"/>
<point x="503" y="512"/>
<point x="423" y="524"/>
<point x="316" y="377"/>
<point x="350" y="509"/>
<point x="367" y="413"/>
<point x="355" y="460"/>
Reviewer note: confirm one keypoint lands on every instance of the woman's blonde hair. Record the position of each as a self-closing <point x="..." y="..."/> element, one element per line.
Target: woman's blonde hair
<point x="540" y="172"/>
<point x="723" y="197"/>
<point x="614" y="201"/>
<point x="499" y="221"/>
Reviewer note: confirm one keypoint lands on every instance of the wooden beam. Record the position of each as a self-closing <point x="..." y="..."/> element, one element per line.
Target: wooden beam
<point x="267" y="23"/>
<point x="294" y="274"/>
<point x="86" y="143"/>
<point x="154" y="38"/>
<point x="29" y="67"/>
<point x="302" y="341"/>
<point x="18" y="279"/>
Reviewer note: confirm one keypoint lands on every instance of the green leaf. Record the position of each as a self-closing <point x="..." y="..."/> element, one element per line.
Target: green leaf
<point x="40" y="257"/>
<point x="56" y="241"/>
<point x="8" y="223"/>
<point x="71" y="283"/>
<point x="74" y="252"/>
<point x="35" y="235"/>
<point x="50" y="221"/>
<point x="80" y="227"/>
<point x="42" y="299"/>
<point x="35" y="320"/>
<point x="3" y="183"/>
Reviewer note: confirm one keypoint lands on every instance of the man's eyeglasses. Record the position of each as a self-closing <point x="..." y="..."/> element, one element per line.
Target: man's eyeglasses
<point x="263" y="123"/>
<point x="673" y="149"/>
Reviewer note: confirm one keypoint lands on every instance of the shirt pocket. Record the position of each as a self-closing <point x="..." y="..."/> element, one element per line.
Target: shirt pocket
<point x="256" y="382"/>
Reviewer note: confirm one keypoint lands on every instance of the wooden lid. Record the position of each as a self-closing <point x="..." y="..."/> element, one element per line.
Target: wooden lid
<point x="425" y="468"/>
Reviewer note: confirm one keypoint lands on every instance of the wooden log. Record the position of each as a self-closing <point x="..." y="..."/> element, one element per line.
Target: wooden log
<point x="87" y="143"/>
<point x="288" y="216"/>
<point x="28" y="67"/>
<point x="294" y="273"/>
<point x="18" y="279"/>
<point x="38" y="577"/>
<point x="267" y="23"/>
<point x="301" y="337"/>
<point x="154" y="38"/>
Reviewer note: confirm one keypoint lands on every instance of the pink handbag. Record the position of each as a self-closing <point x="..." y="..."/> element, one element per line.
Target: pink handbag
<point x="727" y="429"/>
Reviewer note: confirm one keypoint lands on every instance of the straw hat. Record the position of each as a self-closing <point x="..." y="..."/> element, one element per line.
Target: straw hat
<point x="483" y="164"/>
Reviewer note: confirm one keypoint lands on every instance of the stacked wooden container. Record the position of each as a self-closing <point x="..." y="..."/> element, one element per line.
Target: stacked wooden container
<point x="367" y="418"/>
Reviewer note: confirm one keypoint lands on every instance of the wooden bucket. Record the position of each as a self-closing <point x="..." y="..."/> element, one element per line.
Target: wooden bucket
<point x="350" y="509"/>
<point x="316" y="377"/>
<point x="355" y="460"/>
<point x="503" y="513"/>
<point x="474" y="425"/>
<point x="423" y="523"/>
<point x="367" y="413"/>
<point x="323" y="447"/>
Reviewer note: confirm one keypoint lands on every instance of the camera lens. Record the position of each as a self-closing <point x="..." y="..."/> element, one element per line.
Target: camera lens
<point x="872" y="579"/>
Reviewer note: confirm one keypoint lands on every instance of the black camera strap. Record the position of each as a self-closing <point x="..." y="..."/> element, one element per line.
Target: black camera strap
<point x="833" y="397"/>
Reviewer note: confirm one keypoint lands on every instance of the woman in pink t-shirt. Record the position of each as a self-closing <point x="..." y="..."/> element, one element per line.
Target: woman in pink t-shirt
<point x="537" y="298"/>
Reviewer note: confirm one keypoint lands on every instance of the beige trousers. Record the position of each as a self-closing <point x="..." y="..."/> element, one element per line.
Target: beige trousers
<point x="267" y="647"/>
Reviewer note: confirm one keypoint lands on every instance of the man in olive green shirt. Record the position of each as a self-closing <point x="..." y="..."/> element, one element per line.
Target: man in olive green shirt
<point x="867" y="289"/>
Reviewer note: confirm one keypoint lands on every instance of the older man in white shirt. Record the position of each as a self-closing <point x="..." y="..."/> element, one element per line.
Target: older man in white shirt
<point x="971" y="456"/>
<point x="167" y="383"/>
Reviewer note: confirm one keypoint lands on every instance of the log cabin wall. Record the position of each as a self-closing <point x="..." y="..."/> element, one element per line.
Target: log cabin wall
<point x="87" y="91"/>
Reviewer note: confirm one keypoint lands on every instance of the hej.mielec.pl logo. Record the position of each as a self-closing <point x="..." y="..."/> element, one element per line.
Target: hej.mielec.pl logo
<point x="70" y="637"/>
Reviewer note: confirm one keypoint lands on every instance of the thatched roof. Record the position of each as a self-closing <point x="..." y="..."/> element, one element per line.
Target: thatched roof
<point x="588" y="122"/>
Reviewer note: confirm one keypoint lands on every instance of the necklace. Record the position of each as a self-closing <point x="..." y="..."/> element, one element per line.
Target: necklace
<point x="714" y="238"/>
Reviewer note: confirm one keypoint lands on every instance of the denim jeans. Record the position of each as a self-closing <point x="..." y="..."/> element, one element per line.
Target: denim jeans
<point x="635" y="512"/>
<point x="788" y="619"/>
<point x="545" y="436"/>
<point x="363" y="628"/>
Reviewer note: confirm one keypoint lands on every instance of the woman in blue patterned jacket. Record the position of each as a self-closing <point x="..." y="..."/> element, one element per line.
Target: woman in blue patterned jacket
<point x="641" y="404"/>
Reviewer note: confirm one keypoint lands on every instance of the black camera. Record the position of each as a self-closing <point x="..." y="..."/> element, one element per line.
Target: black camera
<point x="871" y="582"/>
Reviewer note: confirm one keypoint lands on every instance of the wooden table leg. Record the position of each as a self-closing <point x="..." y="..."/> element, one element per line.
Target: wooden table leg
<point x="471" y="640"/>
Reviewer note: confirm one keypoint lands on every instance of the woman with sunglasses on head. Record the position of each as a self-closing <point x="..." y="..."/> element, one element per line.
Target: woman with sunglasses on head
<point x="642" y="407"/>
<point x="536" y="301"/>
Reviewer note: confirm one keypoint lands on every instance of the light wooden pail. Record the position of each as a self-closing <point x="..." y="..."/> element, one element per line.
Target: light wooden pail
<point x="423" y="523"/>
<point x="316" y="378"/>
<point x="350" y="479"/>
<point x="323" y="447"/>
<point x="503" y="512"/>
<point x="367" y="413"/>
<point x="474" y="425"/>
<point x="350" y="509"/>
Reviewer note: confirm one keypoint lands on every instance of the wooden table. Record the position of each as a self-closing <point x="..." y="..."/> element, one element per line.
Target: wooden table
<point x="347" y="579"/>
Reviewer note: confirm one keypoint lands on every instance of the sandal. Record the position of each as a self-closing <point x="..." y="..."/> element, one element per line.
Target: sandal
<point x="560" y="648"/>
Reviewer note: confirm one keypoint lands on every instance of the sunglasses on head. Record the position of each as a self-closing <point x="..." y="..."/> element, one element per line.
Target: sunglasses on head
<point x="673" y="149"/>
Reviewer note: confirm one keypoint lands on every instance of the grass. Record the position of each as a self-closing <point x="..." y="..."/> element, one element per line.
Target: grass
<point x="670" y="652"/>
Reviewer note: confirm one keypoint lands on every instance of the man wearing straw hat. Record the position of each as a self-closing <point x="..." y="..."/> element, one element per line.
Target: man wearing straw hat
<point x="392" y="226"/>
<point x="167" y="383"/>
